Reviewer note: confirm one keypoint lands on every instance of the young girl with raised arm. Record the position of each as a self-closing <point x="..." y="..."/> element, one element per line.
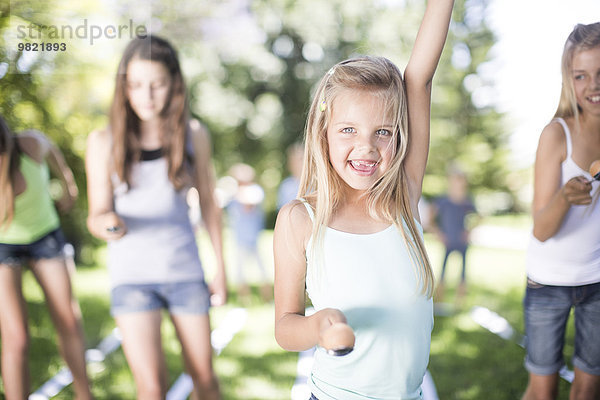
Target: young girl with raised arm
<point x="30" y="235"/>
<point x="353" y="239"/>
<point x="138" y="172"/>
<point x="563" y="258"/>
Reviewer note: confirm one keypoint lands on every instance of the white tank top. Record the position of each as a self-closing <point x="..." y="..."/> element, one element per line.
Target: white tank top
<point x="370" y="278"/>
<point x="572" y="256"/>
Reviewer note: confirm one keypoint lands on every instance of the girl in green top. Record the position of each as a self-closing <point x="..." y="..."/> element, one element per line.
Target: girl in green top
<point x="30" y="235"/>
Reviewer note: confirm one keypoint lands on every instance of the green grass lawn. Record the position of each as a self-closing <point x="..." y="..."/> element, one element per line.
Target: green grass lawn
<point x="467" y="361"/>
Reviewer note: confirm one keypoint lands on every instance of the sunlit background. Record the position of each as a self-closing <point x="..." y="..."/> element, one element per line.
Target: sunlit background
<point x="250" y="67"/>
<point x="526" y="62"/>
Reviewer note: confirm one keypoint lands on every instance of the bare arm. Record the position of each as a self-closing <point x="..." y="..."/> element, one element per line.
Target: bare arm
<point x="552" y="200"/>
<point x="59" y="168"/>
<point x="41" y="148"/>
<point x="293" y="330"/>
<point x="101" y="214"/>
<point x="418" y="77"/>
<point x="211" y="212"/>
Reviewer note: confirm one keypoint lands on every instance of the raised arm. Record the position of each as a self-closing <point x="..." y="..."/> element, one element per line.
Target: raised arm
<point x="418" y="77"/>
<point x="211" y="212"/>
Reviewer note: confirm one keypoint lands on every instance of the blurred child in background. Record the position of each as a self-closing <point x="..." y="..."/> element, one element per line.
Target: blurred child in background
<point x="247" y="220"/>
<point x="139" y="170"/>
<point x="288" y="189"/>
<point x="448" y="222"/>
<point x="30" y="235"/>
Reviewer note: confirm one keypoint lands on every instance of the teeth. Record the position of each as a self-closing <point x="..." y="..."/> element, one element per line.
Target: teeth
<point x="595" y="98"/>
<point x="363" y="163"/>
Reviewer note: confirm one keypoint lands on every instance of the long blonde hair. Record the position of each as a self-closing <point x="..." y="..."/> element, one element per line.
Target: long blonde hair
<point x="124" y="123"/>
<point x="388" y="198"/>
<point x="9" y="163"/>
<point x="583" y="37"/>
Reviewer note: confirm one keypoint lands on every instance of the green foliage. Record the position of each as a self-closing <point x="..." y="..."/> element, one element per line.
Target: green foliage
<point x="250" y="68"/>
<point x="29" y="101"/>
<point x="466" y="130"/>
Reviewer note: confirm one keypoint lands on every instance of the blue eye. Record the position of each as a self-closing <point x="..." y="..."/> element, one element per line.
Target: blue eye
<point x="383" y="132"/>
<point x="348" y="130"/>
<point x="579" y="77"/>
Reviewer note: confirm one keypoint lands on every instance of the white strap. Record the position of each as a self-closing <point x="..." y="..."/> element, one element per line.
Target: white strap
<point x="309" y="208"/>
<point x="567" y="135"/>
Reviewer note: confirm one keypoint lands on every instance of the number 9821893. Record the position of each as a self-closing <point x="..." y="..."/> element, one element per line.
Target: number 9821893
<point x="43" y="46"/>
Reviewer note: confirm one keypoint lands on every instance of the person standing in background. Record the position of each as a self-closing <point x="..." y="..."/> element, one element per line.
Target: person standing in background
<point x="30" y="235"/>
<point x="139" y="170"/>
<point x="448" y="222"/>
<point x="288" y="189"/>
<point x="247" y="220"/>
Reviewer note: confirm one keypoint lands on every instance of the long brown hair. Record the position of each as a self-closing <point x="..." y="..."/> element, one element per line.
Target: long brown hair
<point x="388" y="198"/>
<point x="125" y="124"/>
<point x="583" y="37"/>
<point x="9" y="164"/>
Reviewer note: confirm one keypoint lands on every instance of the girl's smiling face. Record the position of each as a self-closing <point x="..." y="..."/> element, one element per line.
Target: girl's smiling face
<point x="360" y="138"/>
<point x="586" y="80"/>
<point x="148" y="88"/>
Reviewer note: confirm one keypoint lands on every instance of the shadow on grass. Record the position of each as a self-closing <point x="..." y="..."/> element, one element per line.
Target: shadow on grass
<point x="469" y="362"/>
<point x="258" y="378"/>
<point x="475" y="364"/>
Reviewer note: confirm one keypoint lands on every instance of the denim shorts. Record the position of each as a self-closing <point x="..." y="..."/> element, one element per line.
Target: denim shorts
<point x="48" y="246"/>
<point x="176" y="297"/>
<point x="547" y="310"/>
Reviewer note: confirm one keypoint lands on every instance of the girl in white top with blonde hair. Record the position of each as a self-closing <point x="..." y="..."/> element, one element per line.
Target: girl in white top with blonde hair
<point x="563" y="258"/>
<point x="354" y="239"/>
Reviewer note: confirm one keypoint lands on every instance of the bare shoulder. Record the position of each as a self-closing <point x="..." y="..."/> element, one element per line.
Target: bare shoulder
<point x="293" y="229"/>
<point x="294" y="215"/>
<point x="100" y="136"/>
<point x="553" y="141"/>
<point x="99" y="140"/>
<point x="33" y="134"/>
<point x="34" y="143"/>
<point x="295" y="209"/>
<point x="553" y="132"/>
<point x="98" y="150"/>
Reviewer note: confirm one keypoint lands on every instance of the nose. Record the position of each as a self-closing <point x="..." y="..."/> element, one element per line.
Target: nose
<point x="365" y="142"/>
<point x="597" y="81"/>
<point x="147" y="92"/>
<point x="150" y="92"/>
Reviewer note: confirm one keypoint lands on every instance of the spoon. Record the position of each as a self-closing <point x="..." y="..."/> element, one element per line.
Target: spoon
<point x="340" y="352"/>
<point x="595" y="170"/>
<point x="338" y="339"/>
